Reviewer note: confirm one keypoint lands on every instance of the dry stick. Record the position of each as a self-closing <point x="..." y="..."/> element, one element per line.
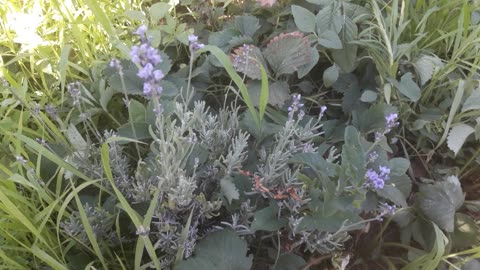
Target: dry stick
<point x="315" y="261"/>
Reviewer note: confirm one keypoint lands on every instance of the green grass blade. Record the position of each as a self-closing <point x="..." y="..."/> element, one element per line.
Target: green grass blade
<point x="51" y="156"/>
<point x="62" y="69"/>
<point x="263" y="94"/>
<point x="11" y="208"/>
<point x="134" y="216"/>
<point x="89" y="230"/>
<point x="42" y="255"/>
<point x="225" y="61"/>
<point x="453" y="110"/>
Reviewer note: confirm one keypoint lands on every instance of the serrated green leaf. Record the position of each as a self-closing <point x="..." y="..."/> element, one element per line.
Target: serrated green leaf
<point x="426" y="66"/>
<point x="371" y="119"/>
<point x="248" y="61"/>
<point x="473" y="101"/>
<point x="221" y="39"/>
<point x="330" y="75"/>
<point x="247" y="25"/>
<point x="398" y="166"/>
<point x="402" y="182"/>
<point x="304" y="19"/>
<point x="321" y="2"/>
<point x="329" y="18"/>
<point x="453" y="110"/>
<point x="439" y="202"/>
<point x="136" y="111"/>
<point x="368" y="96"/>
<point x="135" y="15"/>
<point x="457" y="136"/>
<point x="141" y="131"/>
<point x="314" y="161"/>
<point x="353" y="156"/>
<point x="473" y="264"/>
<point x="346" y="58"/>
<point x="222" y="250"/>
<point x="330" y="40"/>
<point x="259" y="132"/>
<point x="370" y="203"/>
<point x="105" y="97"/>
<point x="313" y="60"/>
<point x="348" y="84"/>
<point x="75" y="138"/>
<point x="278" y="92"/>
<point x="330" y="223"/>
<point x="229" y="190"/>
<point x="466" y="231"/>
<point x="133" y="84"/>
<point x="157" y="11"/>
<point x="288" y="52"/>
<point x="393" y="194"/>
<point x="239" y="41"/>
<point x="477" y="129"/>
<point x="267" y="219"/>
<point x="407" y="87"/>
<point x="166" y="65"/>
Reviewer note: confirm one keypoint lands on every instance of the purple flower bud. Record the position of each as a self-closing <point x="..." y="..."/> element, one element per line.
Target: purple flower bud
<point x="134" y="54"/>
<point x="372" y="156"/>
<point x="323" y="109"/>
<point x="376" y="180"/>
<point x="192" y="38"/>
<point x="115" y="63"/>
<point x="158" y="75"/>
<point x="301" y="114"/>
<point x="384" y="172"/>
<point x="147" y="58"/>
<point x="145" y="72"/>
<point x="141" y="30"/>
<point x="386" y="209"/>
<point x="194" y="45"/>
<point x="147" y="88"/>
<point x="21" y="159"/>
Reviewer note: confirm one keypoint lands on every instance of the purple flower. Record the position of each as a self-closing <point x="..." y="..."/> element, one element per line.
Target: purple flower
<point x="296" y="106"/>
<point x="141" y="31"/>
<point x="147" y="58"/>
<point x="192" y="38"/>
<point x="194" y="44"/>
<point x="391" y="122"/>
<point x="115" y="63"/>
<point x="21" y="160"/>
<point x="73" y="89"/>
<point x="158" y="75"/>
<point x="384" y="171"/>
<point x="377" y="179"/>
<point x="374" y="180"/>
<point x="372" y="156"/>
<point x="386" y="209"/>
<point x="146" y="72"/>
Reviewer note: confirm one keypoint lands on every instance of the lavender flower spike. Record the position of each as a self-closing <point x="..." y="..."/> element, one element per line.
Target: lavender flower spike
<point x="296" y="106"/>
<point x="391" y="122"/>
<point x="147" y="58"/>
<point x="141" y="31"/>
<point x="377" y="180"/>
<point x="194" y="44"/>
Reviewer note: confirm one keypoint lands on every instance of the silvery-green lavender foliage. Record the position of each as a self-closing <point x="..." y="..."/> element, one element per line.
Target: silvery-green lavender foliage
<point x="197" y="156"/>
<point x="100" y="220"/>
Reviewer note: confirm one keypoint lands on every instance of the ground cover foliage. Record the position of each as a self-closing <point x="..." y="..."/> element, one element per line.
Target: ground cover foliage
<point x="282" y="135"/>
